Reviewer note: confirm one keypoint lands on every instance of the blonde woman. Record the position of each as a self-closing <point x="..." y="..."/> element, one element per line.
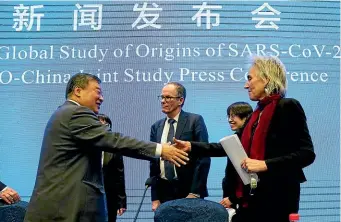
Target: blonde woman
<point x="277" y="141"/>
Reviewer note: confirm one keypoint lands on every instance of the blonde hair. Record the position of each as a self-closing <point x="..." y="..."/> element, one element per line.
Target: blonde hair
<point x="271" y="69"/>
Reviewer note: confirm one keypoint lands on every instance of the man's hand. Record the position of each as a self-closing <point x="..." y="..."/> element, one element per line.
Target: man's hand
<point x="174" y="155"/>
<point x="121" y="211"/>
<point x="155" y="204"/>
<point x="254" y="166"/>
<point x="191" y="196"/>
<point x="226" y="202"/>
<point x="10" y="196"/>
<point x="182" y="145"/>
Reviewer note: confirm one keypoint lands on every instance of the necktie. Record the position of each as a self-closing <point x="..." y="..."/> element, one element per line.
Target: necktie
<point x="169" y="167"/>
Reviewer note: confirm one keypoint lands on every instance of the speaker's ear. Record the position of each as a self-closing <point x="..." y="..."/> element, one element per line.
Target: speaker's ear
<point x="181" y="101"/>
<point x="77" y="91"/>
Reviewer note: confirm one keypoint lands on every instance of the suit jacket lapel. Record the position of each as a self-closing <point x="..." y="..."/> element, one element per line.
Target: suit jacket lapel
<point x="160" y="130"/>
<point x="179" y="129"/>
<point x="67" y="102"/>
<point x="181" y="124"/>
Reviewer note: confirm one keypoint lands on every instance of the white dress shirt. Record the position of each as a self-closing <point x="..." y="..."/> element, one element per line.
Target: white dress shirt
<point x="164" y="140"/>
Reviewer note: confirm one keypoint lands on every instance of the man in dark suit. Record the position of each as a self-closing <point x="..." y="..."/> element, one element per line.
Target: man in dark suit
<point x="8" y="195"/>
<point x="69" y="184"/>
<point x="114" y="182"/>
<point x="172" y="182"/>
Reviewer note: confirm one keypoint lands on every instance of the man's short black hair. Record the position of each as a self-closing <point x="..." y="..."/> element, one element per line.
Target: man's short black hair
<point x="80" y="80"/>
<point x="240" y="109"/>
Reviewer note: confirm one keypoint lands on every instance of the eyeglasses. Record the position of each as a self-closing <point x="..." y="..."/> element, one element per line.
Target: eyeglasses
<point x="228" y="117"/>
<point x="167" y="98"/>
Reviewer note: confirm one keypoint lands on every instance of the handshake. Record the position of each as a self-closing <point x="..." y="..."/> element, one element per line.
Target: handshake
<point x="176" y="152"/>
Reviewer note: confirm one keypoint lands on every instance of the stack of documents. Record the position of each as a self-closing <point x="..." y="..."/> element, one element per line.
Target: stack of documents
<point x="236" y="153"/>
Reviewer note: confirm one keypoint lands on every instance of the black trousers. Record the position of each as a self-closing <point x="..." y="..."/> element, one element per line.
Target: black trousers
<point x="111" y="199"/>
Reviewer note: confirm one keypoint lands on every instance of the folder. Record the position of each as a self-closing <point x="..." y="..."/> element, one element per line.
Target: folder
<point x="236" y="153"/>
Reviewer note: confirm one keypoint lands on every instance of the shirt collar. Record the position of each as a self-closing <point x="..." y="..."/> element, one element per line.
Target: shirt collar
<point x="74" y="102"/>
<point x="176" y="118"/>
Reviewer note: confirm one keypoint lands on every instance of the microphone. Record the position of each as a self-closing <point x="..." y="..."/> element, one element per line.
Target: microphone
<point x="148" y="183"/>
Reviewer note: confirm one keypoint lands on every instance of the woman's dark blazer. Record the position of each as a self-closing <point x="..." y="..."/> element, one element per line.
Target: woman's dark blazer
<point x="288" y="150"/>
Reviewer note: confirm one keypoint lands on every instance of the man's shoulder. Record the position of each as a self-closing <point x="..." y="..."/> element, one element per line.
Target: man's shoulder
<point x="70" y="107"/>
<point x="191" y="115"/>
<point x="66" y="111"/>
<point x="159" y="122"/>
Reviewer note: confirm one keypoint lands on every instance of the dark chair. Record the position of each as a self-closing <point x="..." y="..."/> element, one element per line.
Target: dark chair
<point x="191" y="210"/>
<point x="14" y="212"/>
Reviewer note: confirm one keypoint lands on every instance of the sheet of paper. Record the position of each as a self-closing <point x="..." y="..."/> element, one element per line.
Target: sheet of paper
<point x="236" y="153"/>
<point x="231" y="213"/>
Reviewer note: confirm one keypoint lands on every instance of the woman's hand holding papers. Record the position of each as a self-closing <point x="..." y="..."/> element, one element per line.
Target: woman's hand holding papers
<point x="254" y="166"/>
<point x="226" y="202"/>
